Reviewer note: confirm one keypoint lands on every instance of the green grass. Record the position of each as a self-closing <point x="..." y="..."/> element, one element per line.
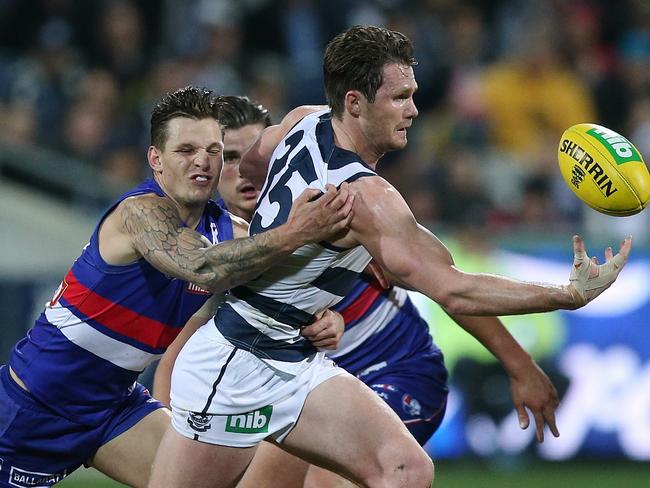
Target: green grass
<point x="479" y="474"/>
<point x="89" y="478"/>
<point x="582" y="474"/>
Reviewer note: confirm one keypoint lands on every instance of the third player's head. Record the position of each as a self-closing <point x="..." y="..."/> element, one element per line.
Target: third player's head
<point x="369" y="80"/>
<point x="186" y="146"/>
<point x="242" y="121"/>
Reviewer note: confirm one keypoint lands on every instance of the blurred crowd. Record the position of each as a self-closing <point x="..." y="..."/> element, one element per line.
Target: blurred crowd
<point x="500" y="80"/>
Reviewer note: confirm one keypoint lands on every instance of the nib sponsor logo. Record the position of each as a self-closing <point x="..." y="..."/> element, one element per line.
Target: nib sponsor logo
<point x="618" y="146"/>
<point x="253" y="422"/>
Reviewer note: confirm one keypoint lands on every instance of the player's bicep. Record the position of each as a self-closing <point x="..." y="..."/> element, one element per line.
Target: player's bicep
<point x="387" y="228"/>
<point x="159" y="236"/>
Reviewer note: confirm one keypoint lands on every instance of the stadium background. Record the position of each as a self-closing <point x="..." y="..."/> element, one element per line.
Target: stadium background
<point x="499" y="82"/>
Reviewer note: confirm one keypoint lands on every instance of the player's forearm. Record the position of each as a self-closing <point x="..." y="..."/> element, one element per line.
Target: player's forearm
<point x="497" y="295"/>
<point x="219" y="267"/>
<point x="494" y="336"/>
<point x="162" y="381"/>
<point x="235" y="262"/>
<point x="485" y="294"/>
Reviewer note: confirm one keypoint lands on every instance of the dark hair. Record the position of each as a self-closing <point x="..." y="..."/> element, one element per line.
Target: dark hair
<point x="236" y="112"/>
<point x="354" y="60"/>
<point x="191" y="102"/>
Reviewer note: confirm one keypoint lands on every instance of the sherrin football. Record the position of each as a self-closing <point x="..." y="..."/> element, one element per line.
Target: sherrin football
<point x="604" y="170"/>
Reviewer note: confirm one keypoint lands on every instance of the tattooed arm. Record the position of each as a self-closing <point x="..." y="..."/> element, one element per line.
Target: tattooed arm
<point x="149" y="226"/>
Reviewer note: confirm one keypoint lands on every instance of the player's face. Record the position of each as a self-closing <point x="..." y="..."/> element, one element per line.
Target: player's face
<point x="190" y="163"/>
<point x="387" y="119"/>
<point x="239" y="194"/>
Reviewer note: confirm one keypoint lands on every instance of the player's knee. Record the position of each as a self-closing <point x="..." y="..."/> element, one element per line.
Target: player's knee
<point x="422" y="471"/>
<point x="413" y="468"/>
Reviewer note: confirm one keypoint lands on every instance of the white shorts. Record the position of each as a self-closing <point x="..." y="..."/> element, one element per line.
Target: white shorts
<point x="224" y="395"/>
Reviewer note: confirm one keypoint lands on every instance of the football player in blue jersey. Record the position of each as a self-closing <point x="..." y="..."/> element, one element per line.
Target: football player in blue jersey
<point x="247" y="376"/>
<point x="69" y="395"/>
<point x="387" y="344"/>
<point x="243" y="121"/>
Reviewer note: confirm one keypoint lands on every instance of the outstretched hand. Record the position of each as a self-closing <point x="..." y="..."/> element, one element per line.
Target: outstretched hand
<point x="532" y="389"/>
<point x="588" y="279"/>
<point x="317" y="216"/>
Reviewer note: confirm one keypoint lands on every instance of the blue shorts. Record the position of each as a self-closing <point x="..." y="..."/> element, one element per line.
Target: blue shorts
<point x="416" y="389"/>
<point x="39" y="447"/>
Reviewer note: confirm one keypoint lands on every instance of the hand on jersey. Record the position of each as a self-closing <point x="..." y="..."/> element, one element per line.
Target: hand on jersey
<point x="588" y="279"/>
<point x="326" y="332"/>
<point x="317" y="216"/>
<point x="532" y="389"/>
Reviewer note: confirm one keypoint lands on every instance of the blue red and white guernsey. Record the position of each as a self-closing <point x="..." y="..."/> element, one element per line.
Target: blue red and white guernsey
<point x="106" y="323"/>
<point x="387" y="345"/>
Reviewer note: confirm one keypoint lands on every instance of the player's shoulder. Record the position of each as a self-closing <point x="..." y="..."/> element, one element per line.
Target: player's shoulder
<point x="299" y="113"/>
<point x="141" y="208"/>
<point x="374" y="196"/>
<point x="144" y="201"/>
<point x="371" y="184"/>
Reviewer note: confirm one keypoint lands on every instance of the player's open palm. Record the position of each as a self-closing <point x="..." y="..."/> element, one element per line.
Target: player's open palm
<point x="317" y="216"/>
<point x="589" y="279"/>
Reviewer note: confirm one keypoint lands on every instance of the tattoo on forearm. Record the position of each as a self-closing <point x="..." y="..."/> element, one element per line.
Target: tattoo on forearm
<point x="159" y="236"/>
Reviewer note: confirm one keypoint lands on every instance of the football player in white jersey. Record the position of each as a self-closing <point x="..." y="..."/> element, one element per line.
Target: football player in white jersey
<point x="254" y="378"/>
<point x="243" y="123"/>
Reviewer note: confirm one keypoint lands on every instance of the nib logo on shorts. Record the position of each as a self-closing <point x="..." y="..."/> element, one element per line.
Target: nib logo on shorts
<point x="250" y="423"/>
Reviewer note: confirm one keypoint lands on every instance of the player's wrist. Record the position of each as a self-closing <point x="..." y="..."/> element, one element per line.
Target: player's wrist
<point x="517" y="363"/>
<point x="286" y="238"/>
<point x="574" y="297"/>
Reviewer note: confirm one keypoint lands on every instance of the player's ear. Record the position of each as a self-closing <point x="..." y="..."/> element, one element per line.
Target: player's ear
<point x="153" y="157"/>
<point x="353" y="102"/>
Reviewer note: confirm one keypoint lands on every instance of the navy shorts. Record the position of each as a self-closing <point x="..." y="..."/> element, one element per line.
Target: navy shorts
<point x="416" y="389"/>
<point x="38" y="447"/>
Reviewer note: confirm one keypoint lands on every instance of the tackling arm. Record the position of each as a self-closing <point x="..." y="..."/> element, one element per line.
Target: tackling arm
<point x="151" y="227"/>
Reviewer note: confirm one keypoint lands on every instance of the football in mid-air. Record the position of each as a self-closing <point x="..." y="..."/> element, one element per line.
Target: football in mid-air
<point x="604" y="169"/>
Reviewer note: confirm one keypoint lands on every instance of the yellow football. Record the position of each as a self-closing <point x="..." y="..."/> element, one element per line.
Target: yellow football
<point x="604" y="169"/>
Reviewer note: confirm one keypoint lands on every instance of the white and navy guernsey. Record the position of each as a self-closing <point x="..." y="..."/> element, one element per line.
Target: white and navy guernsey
<point x="106" y="323"/>
<point x="265" y="316"/>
